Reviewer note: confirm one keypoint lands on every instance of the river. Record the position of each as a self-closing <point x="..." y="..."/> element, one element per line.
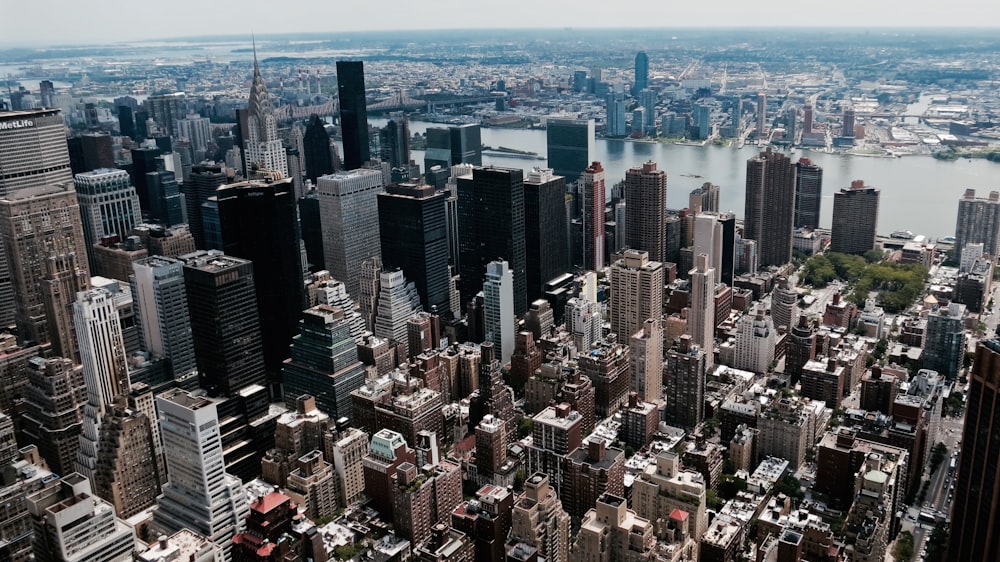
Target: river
<point x="919" y="193"/>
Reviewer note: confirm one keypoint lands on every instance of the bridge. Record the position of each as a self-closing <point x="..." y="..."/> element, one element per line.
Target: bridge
<point x="293" y="112"/>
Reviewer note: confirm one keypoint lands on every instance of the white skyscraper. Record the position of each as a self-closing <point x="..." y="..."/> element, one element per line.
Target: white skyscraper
<point x="646" y="361"/>
<point x="108" y="204"/>
<point x="196" y="129"/>
<point x="583" y="320"/>
<point x="161" y="306"/>
<point x="348" y="211"/>
<point x="263" y="147"/>
<point x="755" y="342"/>
<point x="199" y="495"/>
<point x="498" y="308"/>
<point x="708" y="240"/>
<point x="105" y="368"/>
<point x="398" y="301"/>
<point x="334" y="293"/>
<point x="701" y="316"/>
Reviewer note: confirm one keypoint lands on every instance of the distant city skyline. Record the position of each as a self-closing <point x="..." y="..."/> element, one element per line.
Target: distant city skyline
<point x="186" y="18"/>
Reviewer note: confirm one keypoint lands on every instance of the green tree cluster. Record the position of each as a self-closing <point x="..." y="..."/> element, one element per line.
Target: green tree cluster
<point x="903" y="550"/>
<point x="820" y="270"/>
<point x="897" y="285"/>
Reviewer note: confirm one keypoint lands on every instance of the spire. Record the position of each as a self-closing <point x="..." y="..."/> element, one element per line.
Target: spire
<point x="260" y="103"/>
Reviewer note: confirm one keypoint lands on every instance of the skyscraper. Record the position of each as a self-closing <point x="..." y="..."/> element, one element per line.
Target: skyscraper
<point x="770" y="206"/>
<point x="684" y="383"/>
<point x="42" y="231"/>
<point x="855" y="219"/>
<point x="54" y="399"/>
<point x="808" y="193"/>
<point x="204" y="180"/>
<point x="636" y="292"/>
<point x="570" y="144"/>
<point x="491" y="227"/>
<point x="944" y="346"/>
<point x="708" y="239"/>
<point x="353" y="113"/>
<point x="164" y="198"/>
<point x="545" y="241"/>
<point x="538" y="519"/>
<point x="646" y="361"/>
<point x="199" y="494"/>
<point x="592" y="193"/>
<point x="32" y="149"/>
<point x="755" y="342"/>
<point x="614" y="121"/>
<point x="225" y="324"/>
<point x="646" y="210"/>
<point x="324" y="362"/>
<point x="166" y="110"/>
<point x="498" y="308"/>
<point x="395" y="141"/>
<point x="396" y="304"/>
<point x="641" y="73"/>
<point x="978" y="222"/>
<point x="319" y="159"/>
<point x="348" y="206"/>
<point x="161" y="306"/>
<point x="108" y="204"/>
<point x="263" y="147"/>
<point x="414" y="237"/>
<point x="458" y="144"/>
<point x="701" y="315"/>
<point x="259" y="223"/>
<point x="974" y="514"/>
<point x="761" y="114"/>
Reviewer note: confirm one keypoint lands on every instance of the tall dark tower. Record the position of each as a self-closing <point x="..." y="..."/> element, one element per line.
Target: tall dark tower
<point x="808" y="193"/>
<point x="319" y="159"/>
<point x="544" y="230"/>
<point x="259" y="224"/>
<point x="491" y="227"/>
<point x="414" y="237"/>
<point x="205" y="178"/>
<point x="646" y="210"/>
<point x="126" y="121"/>
<point x="641" y="73"/>
<point x="770" y="206"/>
<point x="143" y="162"/>
<point x="395" y="141"/>
<point x="353" y="113"/>
<point x="225" y="325"/>
<point x="975" y="513"/>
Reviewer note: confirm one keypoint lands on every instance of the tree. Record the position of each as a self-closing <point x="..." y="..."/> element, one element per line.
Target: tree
<point x="903" y="550"/>
<point x="790" y="486"/>
<point x="519" y="479"/>
<point x="730" y="485"/>
<point x="712" y="501"/>
<point x="936" y="543"/>
<point x="525" y="426"/>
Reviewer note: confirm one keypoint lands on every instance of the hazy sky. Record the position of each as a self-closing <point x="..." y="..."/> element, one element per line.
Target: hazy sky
<point x="102" y="21"/>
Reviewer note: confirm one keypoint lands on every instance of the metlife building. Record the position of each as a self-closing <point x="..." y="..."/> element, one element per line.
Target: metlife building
<point x="33" y="149"/>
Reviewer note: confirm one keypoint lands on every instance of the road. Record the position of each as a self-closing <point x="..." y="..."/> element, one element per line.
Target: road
<point x="937" y="499"/>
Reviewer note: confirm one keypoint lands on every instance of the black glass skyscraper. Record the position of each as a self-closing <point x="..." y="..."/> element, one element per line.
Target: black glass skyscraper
<point x="316" y="142"/>
<point x="491" y="227"/>
<point x="312" y="230"/>
<point x="544" y="230"/>
<point x="808" y="193"/>
<point x="164" y="198"/>
<point x="570" y="144"/>
<point x="353" y="113"/>
<point x="205" y="178"/>
<point x="641" y="73"/>
<point x="126" y="121"/>
<point x="143" y="162"/>
<point x="259" y="224"/>
<point x="414" y="237"/>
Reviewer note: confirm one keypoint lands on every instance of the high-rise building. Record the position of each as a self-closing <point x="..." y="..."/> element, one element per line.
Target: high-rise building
<point x="414" y="238"/>
<point x="770" y="206"/>
<point x="318" y="157"/>
<point x="395" y="141"/>
<point x="607" y="366"/>
<point x="491" y="227"/>
<point x="164" y="198"/>
<point x="144" y="160"/>
<point x="704" y="199"/>
<point x="32" y="149"/>
<point x="353" y="113"/>
<point x="498" y="309"/>
<point x="614" y="121"/>
<point x="570" y="144"/>
<point x="641" y="73"/>
<point x="701" y="314"/>
<point x="348" y="206"/>
<point x="263" y="147"/>
<point x="71" y="524"/>
<point x="199" y="494"/>
<point x="708" y="240"/>
<point x="127" y="472"/>
<point x="755" y="342"/>
<point x="636" y="292"/>
<point x="539" y="520"/>
<point x="808" y="193"/>
<point x="396" y="304"/>
<point x="545" y="253"/>
<point x="646" y="361"/>
<point x="98" y="151"/>
<point x="784" y="304"/>
<point x="944" y="345"/>
<point x="592" y="194"/>
<point x="108" y="204"/>
<point x="684" y="383"/>
<point x="259" y="223"/>
<point x="977" y="491"/>
<point x="205" y="178"/>
<point x="978" y="222"/>
<point x="161" y="306"/>
<point x="646" y="210"/>
<point x="42" y="233"/>
<point x="166" y="110"/>
<point x="800" y="348"/>
<point x="458" y="144"/>
<point x="324" y="362"/>
<point x="591" y="471"/>
<point x="196" y="129"/>
<point x="53" y="418"/>
<point x="761" y="114"/>
<point x="855" y="219"/>
<point x="847" y="127"/>
<point x="225" y="324"/>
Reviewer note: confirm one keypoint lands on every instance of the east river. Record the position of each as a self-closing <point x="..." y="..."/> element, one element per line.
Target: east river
<point x="919" y="193"/>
